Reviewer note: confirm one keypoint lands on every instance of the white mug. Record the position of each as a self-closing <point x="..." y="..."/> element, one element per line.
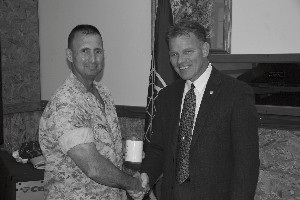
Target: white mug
<point x="134" y="151"/>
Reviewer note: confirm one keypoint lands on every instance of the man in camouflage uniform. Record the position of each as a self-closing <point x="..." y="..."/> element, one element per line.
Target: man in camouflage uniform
<point x="79" y="131"/>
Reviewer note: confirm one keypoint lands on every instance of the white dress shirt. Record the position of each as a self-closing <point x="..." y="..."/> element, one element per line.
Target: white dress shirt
<point x="200" y="85"/>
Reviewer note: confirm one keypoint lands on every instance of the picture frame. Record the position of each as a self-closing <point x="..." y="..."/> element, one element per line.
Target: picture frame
<point x="214" y="15"/>
<point x="222" y="27"/>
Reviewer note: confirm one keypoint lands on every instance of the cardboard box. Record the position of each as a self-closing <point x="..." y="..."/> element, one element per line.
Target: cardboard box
<point x="21" y="181"/>
<point x="30" y="190"/>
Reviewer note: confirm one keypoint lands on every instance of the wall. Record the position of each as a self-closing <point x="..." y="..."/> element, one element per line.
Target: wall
<point x="270" y="26"/>
<point x="265" y="26"/>
<point x="279" y="153"/>
<point x="19" y="51"/>
<point x="20" y="71"/>
<point x="126" y="30"/>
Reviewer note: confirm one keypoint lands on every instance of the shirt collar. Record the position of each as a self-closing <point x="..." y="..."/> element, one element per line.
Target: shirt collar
<point x="77" y="83"/>
<point x="202" y="80"/>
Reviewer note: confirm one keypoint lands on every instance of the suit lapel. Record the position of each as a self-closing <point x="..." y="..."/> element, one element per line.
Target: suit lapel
<point x="211" y="92"/>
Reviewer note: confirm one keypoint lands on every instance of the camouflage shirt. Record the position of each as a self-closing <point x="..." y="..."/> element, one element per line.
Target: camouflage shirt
<point x="76" y="114"/>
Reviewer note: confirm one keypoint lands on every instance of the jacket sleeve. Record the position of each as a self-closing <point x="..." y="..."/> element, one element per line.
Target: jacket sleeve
<point x="153" y="161"/>
<point x="245" y="141"/>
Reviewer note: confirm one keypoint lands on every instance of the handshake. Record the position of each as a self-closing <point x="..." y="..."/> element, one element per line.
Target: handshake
<point x="141" y="186"/>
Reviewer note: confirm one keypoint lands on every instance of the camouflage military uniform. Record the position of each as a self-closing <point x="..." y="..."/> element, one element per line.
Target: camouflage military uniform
<point x="75" y="113"/>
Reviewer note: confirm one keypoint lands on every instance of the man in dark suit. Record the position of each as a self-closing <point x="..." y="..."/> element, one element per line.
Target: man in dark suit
<point x="205" y="132"/>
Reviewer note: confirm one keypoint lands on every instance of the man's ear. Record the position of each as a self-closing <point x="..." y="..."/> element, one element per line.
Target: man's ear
<point x="69" y="55"/>
<point x="205" y="49"/>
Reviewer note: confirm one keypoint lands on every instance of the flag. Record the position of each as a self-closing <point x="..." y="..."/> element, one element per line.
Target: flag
<point x="1" y="108"/>
<point x="161" y="72"/>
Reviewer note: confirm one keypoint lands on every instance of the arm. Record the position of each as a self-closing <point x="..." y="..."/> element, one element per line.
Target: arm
<point x="100" y="169"/>
<point x="76" y="139"/>
<point x="244" y="130"/>
<point x="153" y="161"/>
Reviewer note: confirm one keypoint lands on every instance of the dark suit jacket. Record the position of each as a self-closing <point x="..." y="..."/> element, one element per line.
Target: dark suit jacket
<point x="224" y="154"/>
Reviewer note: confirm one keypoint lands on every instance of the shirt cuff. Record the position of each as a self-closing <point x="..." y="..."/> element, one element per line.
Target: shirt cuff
<point x="75" y="137"/>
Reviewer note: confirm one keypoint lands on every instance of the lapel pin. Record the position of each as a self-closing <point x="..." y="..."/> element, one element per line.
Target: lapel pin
<point x="211" y="92"/>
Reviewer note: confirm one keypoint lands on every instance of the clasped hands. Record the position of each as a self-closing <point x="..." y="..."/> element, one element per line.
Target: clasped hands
<point x="142" y="187"/>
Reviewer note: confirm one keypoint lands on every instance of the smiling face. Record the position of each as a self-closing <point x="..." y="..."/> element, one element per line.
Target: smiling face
<point x="188" y="56"/>
<point x="87" y="56"/>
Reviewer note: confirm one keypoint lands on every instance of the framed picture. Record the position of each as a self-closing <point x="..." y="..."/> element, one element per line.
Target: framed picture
<point x="214" y="15"/>
<point x="221" y="27"/>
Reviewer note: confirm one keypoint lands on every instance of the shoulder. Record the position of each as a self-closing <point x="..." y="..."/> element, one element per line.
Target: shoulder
<point x="173" y="87"/>
<point x="67" y="93"/>
<point x="103" y="90"/>
<point x="67" y="96"/>
<point x="231" y="83"/>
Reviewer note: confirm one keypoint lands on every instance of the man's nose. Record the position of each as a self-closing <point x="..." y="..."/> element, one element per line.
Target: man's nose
<point x="181" y="58"/>
<point x="92" y="57"/>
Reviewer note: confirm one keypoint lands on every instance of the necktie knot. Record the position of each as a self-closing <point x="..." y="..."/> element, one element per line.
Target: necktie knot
<point x="192" y="86"/>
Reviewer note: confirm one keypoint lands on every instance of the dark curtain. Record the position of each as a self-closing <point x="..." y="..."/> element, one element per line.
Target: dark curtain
<point x="1" y="104"/>
<point x="161" y="72"/>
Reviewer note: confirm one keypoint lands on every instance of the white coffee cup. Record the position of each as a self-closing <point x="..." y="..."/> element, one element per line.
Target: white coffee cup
<point x="134" y="151"/>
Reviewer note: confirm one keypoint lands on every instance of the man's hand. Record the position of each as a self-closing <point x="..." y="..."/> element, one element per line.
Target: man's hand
<point x="145" y="181"/>
<point x="144" y="184"/>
